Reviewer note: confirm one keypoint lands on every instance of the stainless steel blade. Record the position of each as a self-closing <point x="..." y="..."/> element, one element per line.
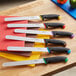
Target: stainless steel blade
<point x="23" y="18"/>
<point x="24" y="39"/>
<point x="25" y="25"/>
<point x="36" y="49"/>
<point x="18" y="63"/>
<point x="33" y="32"/>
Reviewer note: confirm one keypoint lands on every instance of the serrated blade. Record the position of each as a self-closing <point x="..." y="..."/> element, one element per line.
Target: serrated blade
<point x="18" y="63"/>
<point x="23" y="18"/>
<point x="25" y="25"/>
<point x="36" y="49"/>
<point x="24" y="39"/>
<point x="33" y="32"/>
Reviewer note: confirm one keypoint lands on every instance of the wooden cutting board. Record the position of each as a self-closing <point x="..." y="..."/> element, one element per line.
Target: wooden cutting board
<point x="37" y="8"/>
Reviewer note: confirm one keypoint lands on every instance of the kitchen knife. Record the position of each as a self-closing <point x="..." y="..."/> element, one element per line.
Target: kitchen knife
<point x="38" y="49"/>
<point x="38" y="61"/>
<point x="41" y="17"/>
<point x="46" y="41"/>
<point x="52" y="33"/>
<point x="43" y="25"/>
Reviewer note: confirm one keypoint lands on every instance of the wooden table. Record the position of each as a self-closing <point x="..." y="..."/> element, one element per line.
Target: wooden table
<point x="37" y="8"/>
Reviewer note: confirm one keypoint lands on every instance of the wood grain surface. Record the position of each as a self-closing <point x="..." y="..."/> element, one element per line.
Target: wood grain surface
<point x="37" y="8"/>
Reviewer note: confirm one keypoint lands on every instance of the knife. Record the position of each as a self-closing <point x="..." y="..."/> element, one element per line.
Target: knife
<point x="46" y="41"/>
<point x="37" y="61"/>
<point x="38" y="49"/>
<point x="41" y="17"/>
<point x="43" y="25"/>
<point x="52" y="33"/>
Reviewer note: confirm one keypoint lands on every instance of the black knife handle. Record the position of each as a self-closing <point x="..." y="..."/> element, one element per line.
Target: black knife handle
<point x="59" y="50"/>
<point x="55" y="42"/>
<point x="55" y="59"/>
<point x="63" y="33"/>
<point x="50" y="16"/>
<point x="54" y="25"/>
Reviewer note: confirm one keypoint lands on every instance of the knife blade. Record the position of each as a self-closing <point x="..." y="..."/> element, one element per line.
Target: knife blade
<point x="46" y="41"/>
<point x="41" y="17"/>
<point x="37" y="61"/>
<point x="51" y="33"/>
<point x="38" y="49"/>
<point x="43" y="25"/>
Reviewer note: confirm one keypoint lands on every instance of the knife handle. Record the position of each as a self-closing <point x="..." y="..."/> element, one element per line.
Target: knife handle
<point x="59" y="50"/>
<point x="62" y="33"/>
<point x="55" y="42"/>
<point x="55" y="59"/>
<point x="54" y="25"/>
<point x="50" y="16"/>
